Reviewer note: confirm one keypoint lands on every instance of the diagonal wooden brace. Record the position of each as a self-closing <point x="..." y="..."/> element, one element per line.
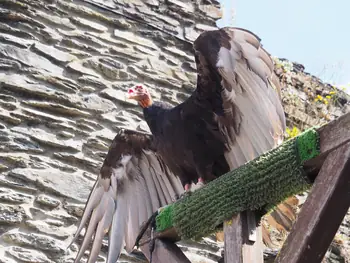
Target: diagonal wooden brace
<point x="322" y="213"/>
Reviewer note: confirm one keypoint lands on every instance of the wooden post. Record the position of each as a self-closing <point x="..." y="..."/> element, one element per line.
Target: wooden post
<point x="240" y="245"/>
<point x="322" y="212"/>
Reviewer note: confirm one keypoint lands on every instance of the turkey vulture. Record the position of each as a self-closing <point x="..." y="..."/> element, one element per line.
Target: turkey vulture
<point x="234" y="115"/>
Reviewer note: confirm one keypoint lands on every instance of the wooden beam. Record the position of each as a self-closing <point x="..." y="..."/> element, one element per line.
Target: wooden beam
<point x="324" y="209"/>
<point x="239" y="248"/>
<point x="332" y="136"/>
<point x="335" y="134"/>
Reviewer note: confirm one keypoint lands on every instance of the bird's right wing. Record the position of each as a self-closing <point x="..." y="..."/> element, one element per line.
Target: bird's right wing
<point x="133" y="183"/>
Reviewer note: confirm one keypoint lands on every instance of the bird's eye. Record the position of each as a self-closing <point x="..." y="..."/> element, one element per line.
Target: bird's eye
<point x="139" y="87"/>
<point x="130" y="91"/>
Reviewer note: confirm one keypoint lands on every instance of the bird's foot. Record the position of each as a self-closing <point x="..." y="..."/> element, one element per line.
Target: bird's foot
<point x="187" y="192"/>
<point x="200" y="183"/>
<point x="188" y="187"/>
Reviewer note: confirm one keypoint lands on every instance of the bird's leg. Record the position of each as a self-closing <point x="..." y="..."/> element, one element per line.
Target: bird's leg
<point x="188" y="190"/>
<point x="188" y="187"/>
<point x="201" y="182"/>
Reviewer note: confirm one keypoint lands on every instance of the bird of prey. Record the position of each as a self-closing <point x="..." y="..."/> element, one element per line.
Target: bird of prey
<point x="234" y="115"/>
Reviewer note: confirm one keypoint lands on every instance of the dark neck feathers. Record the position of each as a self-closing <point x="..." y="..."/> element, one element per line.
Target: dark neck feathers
<point x="154" y="115"/>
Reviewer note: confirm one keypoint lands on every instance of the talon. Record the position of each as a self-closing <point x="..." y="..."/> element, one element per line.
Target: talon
<point x="188" y="187"/>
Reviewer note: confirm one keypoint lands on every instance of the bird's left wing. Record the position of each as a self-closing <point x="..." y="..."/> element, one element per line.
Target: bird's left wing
<point x="133" y="183"/>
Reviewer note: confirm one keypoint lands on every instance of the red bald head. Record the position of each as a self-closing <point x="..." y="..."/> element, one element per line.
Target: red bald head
<point x="140" y="94"/>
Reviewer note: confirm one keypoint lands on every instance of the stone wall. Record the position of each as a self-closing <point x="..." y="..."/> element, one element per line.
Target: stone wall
<point x="64" y="68"/>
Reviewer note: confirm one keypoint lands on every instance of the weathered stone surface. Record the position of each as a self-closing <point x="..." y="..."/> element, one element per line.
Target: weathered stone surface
<point x="50" y="35"/>
<point x="27" y="255"/>
<point x="74" y="209"/>
<point x="81" y="160"/>
<point x="10" y="196"/>
<point x="17" y="185"/>
<point x="6" y="260"/>
<point x="96" y="82"/>
<point x="19" y="84"/>
<point x="78" y="67"/>
<point x="211" y="11"/>
<point x="11" y="214"/>
<point x="133" y="38"/>
<point x="59" y="82"/>
<point x="56" y="20"/>
<point x="52" y="53"/>
<point x="90" y="25"/>
<point x="45" y="228"/>
<point x="49" y="139"/>
<point x="6" y="117"/>
<point x="203" y="27"/>
<point x="72" y="185"/>
<point x="36" y="241"/>
<point x="191" y="34"/>
<point x="97" y="144"/>
<point x="8" y="64"/>
<point x="117" y="95"/>
<point x="17" y="41"/>
<point x="109" y="69"/>
<point x="94" y="103"/>
<point x="57" y="108"/>
<point x="47" y="201"/>
<point x="28" y="58"/>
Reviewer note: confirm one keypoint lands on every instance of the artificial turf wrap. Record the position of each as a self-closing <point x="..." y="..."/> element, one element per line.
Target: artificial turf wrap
<point x="266" y="180"/>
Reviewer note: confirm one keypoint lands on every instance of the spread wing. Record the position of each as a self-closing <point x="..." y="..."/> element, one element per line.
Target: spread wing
<point x="236" y="80"/>
<point x="133" y="183"/>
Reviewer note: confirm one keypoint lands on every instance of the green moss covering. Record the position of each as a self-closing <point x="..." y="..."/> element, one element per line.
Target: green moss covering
<point x="166" y="220"/>
<point x="308" y="145"/>
<point x="265" y="181"/>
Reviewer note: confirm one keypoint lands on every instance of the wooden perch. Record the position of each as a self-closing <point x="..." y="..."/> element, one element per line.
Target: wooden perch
<point x="332" y="136"/>
<point x="318" y="220"/>
<point x="322" y="212"/>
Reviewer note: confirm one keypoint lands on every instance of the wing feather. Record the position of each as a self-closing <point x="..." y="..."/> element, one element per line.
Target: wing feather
<point x="131" y="186"/>
<point x="169" y="193"/>
<point x="132" y="219"/>
<point x="117" y="231"/>
<point x="157" y="183"/>
<point x="232" y="63"/>
<point x="151" y="186"/>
